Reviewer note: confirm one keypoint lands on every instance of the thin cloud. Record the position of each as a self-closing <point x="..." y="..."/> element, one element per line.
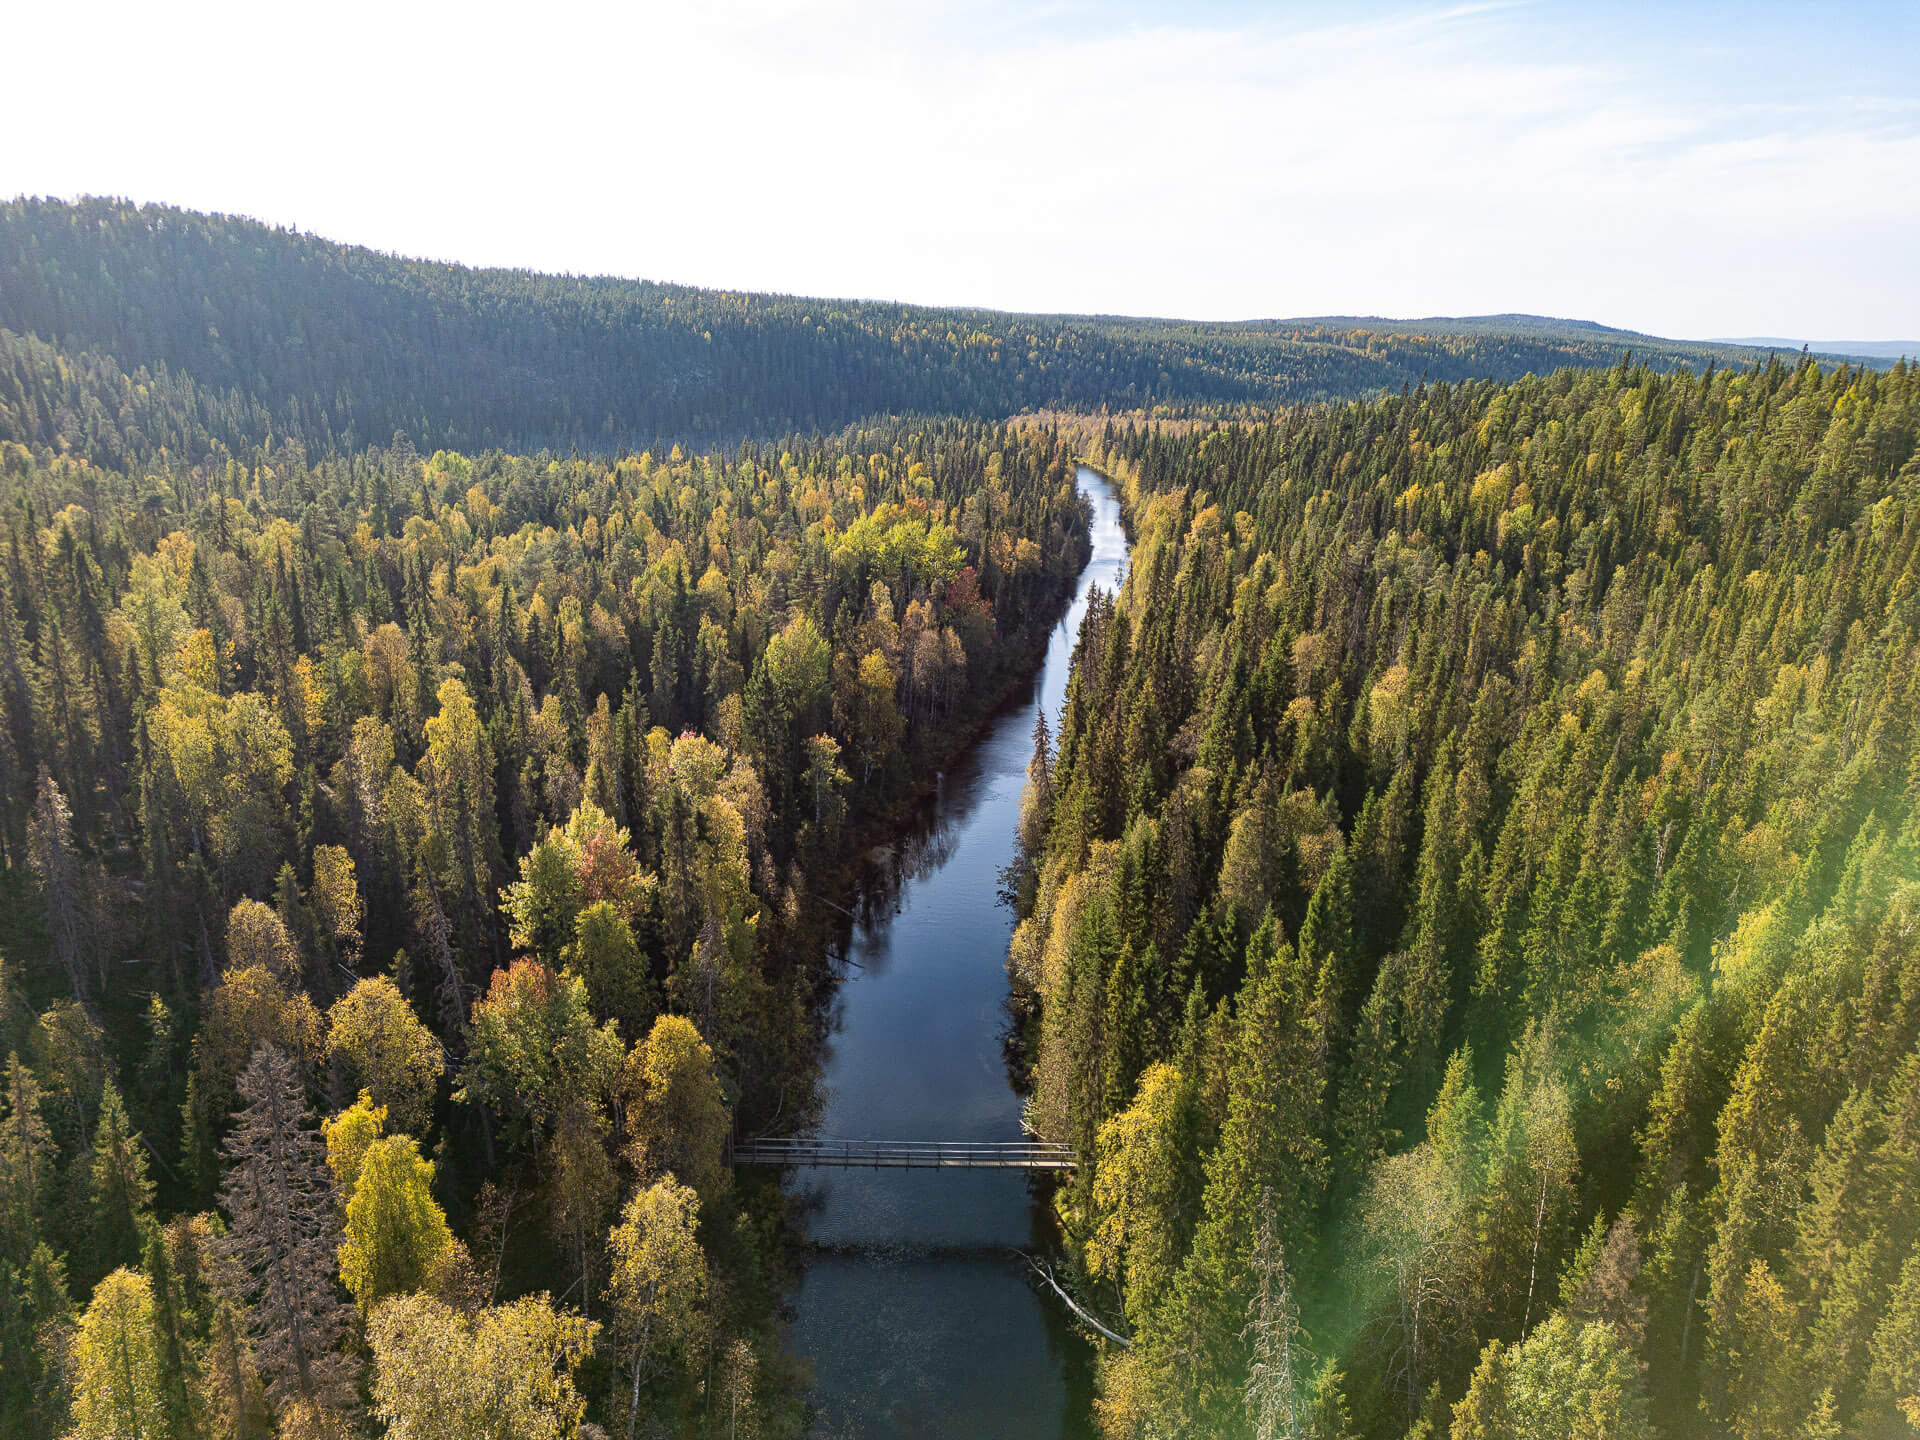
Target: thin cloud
<point x="1450" y="159"/>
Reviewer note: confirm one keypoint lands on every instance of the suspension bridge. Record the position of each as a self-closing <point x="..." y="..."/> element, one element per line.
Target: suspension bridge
<point x="904" y="1154"/>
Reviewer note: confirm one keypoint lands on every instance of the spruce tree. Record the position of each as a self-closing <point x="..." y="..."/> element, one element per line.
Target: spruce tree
<point x="1270" y="1160"/>
<point x="122" y="1194"/>
<point x="1273" y="1329"/>
<point x="179" y="1384"/>
<point x="36" y="1321"/>
<point x="285" y="1233"/>
<point x="26" y="1163"/>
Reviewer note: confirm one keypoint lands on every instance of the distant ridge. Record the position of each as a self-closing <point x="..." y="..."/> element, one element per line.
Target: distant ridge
<point x="1866" y="349"/>
<point x="1550" y="326"/>
<point x="262" y="331"/>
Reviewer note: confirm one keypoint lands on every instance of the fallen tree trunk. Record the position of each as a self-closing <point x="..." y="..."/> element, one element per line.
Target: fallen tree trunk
<point x="1047" y="1275"/>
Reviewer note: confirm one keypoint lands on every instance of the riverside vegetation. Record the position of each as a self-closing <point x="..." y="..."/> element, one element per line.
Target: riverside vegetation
<point x="1470" y="915"/>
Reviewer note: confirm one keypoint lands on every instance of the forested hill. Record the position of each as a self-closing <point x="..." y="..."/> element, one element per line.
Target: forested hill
<point x="1474" y="901"/>
<point x="498" y="793"/>
<point x="250" y="329"/>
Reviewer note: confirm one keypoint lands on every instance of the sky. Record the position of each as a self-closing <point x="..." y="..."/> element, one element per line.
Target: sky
<point x="1686" y="169"/>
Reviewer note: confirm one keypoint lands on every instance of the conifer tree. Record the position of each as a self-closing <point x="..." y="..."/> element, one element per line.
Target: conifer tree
<point x="1563" y="1382"/>
<point x="122" y="1194"/>
<point x="1271" y="1145"/>
<point x="36" y="1327"/>
<point x="26" y="1162"/>
<point x="1273" y="1327"/>
<point x="285" y="1232"/>
<point x="181" y="1403"/>
<point x="50" y="849"/>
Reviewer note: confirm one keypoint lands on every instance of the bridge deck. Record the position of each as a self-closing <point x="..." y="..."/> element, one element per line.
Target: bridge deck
<point x="906" y="1154"/>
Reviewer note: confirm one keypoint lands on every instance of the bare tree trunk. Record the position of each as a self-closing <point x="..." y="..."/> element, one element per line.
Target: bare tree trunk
<point x="1533" y="1266"/>
<point x="639" y="1364"/>
<point x="1686" y="1326"/>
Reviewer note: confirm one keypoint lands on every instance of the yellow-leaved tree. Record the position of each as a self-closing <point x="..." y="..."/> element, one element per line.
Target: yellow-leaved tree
<point x="116" y="1367"/>
<point x="657" y="1296"/>
<point x="386" y="1050"/>
<point x="505" y="1372"/>
<point x="396" y="1232"/>
<point x="676" y="1111"/>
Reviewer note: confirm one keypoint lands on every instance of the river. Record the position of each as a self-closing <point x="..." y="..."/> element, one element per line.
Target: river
<point x="918" y="1319"/>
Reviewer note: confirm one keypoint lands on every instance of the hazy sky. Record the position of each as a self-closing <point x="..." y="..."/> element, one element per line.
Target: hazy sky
<point x="1690" y="169"/>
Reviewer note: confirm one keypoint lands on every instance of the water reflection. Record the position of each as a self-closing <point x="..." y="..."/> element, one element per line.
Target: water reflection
<point x="914" y="1306"/>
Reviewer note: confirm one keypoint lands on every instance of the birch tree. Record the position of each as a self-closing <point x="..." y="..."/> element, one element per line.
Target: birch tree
<point x="657" y="1296"/>
<point x="395" y="1231"/>
<point x="387" y="1050"/>
<point x="1415" y="1225"/>
<point x="116" y="1366"/>
<point x="505" y="1373"/>
<point x="676" y="1111"/>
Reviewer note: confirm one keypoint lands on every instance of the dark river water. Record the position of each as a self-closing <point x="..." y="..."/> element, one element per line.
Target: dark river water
<point x="917" y="1318"/>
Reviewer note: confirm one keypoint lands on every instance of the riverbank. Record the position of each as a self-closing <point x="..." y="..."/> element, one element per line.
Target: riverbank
<point x="911" y="1301"/>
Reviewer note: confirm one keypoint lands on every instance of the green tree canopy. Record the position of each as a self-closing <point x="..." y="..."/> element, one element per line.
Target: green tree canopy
<point x="534" y="1047"/>
<point x="396" y="1231"/>
<point x="1563" y="1382"/>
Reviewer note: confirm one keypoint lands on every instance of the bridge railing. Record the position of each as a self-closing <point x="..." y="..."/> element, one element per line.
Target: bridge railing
<point x="904" y="1154"/>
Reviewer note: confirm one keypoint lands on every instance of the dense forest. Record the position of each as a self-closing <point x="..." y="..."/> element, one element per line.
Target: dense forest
<point x="410" y="871"/>
<point x="243" y="330"/>
<point x="1466" y="913"/>
<point x="1470" y="915"/>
